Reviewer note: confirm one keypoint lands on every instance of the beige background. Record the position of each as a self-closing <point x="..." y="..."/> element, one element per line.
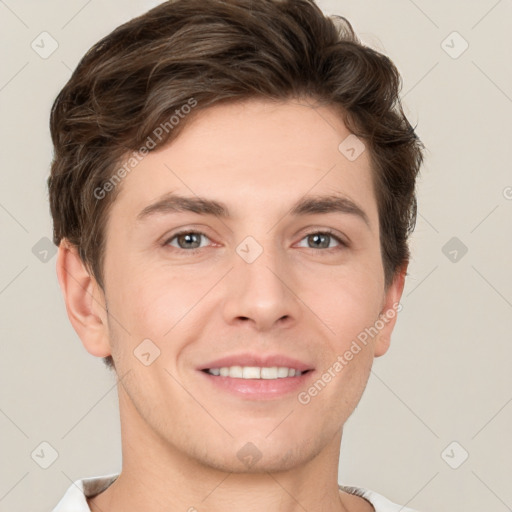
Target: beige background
<point x="448" y="374"/>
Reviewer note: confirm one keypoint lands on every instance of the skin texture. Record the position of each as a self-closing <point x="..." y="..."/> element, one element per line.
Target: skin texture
<point x="180" y="435"/>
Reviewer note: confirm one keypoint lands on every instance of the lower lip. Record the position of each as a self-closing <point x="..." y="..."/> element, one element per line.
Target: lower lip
<point x="259" y="389"/>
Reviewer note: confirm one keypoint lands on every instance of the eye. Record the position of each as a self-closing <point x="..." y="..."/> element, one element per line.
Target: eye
<point x="322" y="239"/>
<point x="188" y="240"/>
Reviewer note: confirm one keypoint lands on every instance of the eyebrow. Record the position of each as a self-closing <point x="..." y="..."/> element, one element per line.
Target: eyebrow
<point x="308" y="205"/>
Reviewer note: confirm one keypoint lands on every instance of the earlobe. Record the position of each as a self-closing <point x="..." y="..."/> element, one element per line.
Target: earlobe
<point x="85" y="301"/>
<point x="388" y="316"/>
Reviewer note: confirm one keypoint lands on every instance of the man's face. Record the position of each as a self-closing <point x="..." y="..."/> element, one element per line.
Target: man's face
<point x="262" y="281"/>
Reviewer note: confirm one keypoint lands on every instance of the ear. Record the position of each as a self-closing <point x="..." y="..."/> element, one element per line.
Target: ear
<point x="389" y="312"/>
<point x="85" y="301"/>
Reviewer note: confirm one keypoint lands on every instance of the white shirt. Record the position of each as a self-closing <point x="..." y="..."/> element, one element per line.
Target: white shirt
<point x="74" y="499"/>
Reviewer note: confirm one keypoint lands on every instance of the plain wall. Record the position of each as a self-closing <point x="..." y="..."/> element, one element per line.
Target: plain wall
<point x="447" y="377"/>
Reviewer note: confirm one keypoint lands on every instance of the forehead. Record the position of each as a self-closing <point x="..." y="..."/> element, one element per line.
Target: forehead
<point x="256" y="155"/>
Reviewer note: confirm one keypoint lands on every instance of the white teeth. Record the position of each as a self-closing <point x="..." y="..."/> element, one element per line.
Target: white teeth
<point x="255" y="372"/>
<point x="236" y="372"/>
<point x="250" y="372"/>
<point x="273" y="373"/>
<point x="283" y="372"/>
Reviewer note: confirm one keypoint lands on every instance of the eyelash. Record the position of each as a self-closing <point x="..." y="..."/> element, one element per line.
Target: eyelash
<point x="329" y="232"/>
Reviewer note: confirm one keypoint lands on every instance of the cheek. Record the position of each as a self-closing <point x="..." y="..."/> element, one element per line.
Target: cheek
<point x="155" y="304"/>
<point x="346" y="305"/>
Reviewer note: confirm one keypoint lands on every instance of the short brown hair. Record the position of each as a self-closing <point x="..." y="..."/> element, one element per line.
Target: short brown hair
<point x="136" y="78"/>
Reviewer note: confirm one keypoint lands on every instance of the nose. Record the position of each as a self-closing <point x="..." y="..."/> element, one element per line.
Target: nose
<point x="261" y="293"/>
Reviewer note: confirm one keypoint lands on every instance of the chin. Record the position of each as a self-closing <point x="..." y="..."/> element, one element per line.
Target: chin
<point x="260" y="456"/>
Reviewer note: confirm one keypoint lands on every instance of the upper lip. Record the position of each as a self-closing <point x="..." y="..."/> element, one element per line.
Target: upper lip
<point x="267" y="361"/>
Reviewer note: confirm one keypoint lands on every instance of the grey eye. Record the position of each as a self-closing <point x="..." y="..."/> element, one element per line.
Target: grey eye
<point x="187" y="240"/>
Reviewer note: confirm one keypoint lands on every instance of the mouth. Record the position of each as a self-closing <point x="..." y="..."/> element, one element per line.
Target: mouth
<point x="255" y="372"/>
<point x="253" y="376"/>
<point x="257" y="383"/>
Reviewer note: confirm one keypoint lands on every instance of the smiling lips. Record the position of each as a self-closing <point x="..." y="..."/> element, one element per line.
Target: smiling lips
<point x="256" y="366"/>
<point x="255" y="372"/>
<point x="257" y="377"/>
